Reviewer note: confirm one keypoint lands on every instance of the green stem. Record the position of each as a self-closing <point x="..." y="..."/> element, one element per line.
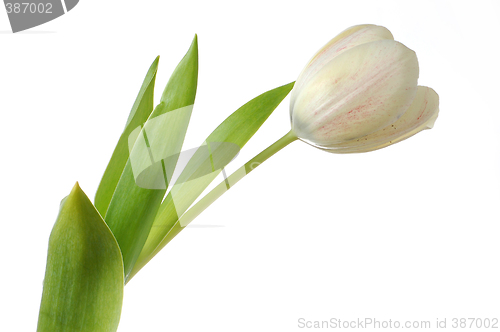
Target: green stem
<point x="217" y="192"/>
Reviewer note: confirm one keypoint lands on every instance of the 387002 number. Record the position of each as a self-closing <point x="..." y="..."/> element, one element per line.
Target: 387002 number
<point x="27" y="7"/>
<point x="477" y="323"/>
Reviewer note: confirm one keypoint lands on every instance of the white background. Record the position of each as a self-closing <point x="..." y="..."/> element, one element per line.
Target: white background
<point x="409" y="232"/>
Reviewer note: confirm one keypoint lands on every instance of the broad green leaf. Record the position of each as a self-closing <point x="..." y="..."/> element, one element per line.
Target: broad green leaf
<point x="237" y="129"/>
<point x="83" y="285"/>
<point x="143" y="106"/>
<point x="150" y="166"/>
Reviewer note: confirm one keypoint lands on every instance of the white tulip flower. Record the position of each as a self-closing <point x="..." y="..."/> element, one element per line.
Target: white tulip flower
<point x="359" y="93"/>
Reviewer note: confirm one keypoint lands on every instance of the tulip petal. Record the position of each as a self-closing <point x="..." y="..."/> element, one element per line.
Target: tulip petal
<point x="421" y="115"/>
<point x="359" y="92"/>
<point x="347" y="39"/>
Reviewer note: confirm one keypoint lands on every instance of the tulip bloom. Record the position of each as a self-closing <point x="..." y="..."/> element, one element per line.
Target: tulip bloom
<point x="359" y="93"/>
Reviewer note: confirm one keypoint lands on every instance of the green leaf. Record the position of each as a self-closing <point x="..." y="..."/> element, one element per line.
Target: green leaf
<point x="150" y="166"/>
<point x="237" y="129"/>
<point x="143" y="106"/>
<point x="83" y="285"/>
